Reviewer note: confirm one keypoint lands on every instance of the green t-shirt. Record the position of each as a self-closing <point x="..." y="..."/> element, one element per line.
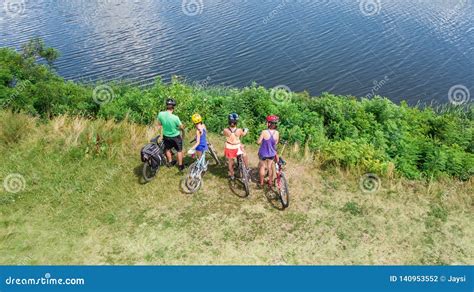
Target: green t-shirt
<point x="170" y="124"/>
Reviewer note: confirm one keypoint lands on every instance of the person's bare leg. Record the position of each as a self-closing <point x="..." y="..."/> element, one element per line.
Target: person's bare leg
<point x="169" y="156"/>
<point x="262" y="172"/>
<point x="230" y="162"/>
<point x="246" y="161"/>
<point x="180" y="158"/>
<point x="270" y="172"/>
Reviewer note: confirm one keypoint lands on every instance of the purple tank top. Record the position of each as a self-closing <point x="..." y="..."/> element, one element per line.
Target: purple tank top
<point x="267" y="148"/>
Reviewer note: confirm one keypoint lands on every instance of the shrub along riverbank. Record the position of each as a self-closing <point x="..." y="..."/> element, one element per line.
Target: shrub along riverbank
<point x="73" y="184"/>
<point x="373" y="135"/>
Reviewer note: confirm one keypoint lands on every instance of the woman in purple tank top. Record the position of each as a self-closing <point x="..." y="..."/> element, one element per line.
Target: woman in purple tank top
<point x="268" y="141"/>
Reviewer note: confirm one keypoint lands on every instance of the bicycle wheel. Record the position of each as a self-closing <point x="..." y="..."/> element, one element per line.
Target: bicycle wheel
<point x="283" y="190"/>
<point x="213" y="153"/>
<point x="148" y="172"/>
<point x="193" y="180"/>
<point x="244" y="176"/>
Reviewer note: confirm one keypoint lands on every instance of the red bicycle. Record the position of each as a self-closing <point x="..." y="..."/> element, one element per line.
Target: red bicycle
<point x="281" y="183"/>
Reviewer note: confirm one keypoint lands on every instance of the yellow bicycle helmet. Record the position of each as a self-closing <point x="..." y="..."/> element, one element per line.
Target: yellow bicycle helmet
<point x="196" y="118"/>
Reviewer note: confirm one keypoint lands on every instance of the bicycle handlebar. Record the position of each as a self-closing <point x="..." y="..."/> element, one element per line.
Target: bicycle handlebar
<point x="155" y="140"/>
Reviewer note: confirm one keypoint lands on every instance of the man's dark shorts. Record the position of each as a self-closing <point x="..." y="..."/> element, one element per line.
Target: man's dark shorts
<point x="173" y="143"/>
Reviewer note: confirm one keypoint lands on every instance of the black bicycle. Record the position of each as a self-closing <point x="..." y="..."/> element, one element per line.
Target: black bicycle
<point x="213" y="153"/>
<point x="153" y="157"/>
<point x="243" y="174"/>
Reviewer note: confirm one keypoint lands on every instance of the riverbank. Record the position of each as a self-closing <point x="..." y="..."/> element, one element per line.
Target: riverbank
<point x="360" y="135"/>
<point x="79" y="201"/>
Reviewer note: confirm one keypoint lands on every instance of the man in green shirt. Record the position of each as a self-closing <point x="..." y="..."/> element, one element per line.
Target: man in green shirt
<point x="172" y="128"/>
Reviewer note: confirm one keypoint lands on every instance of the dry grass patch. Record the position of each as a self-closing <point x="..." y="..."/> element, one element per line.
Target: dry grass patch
<point x="83" y="204"/>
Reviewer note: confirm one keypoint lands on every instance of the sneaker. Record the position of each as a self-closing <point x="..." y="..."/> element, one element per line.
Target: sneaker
<point x="181" y="167"/>
<point x="231" y="178"/>
<point x="171" y="164"/>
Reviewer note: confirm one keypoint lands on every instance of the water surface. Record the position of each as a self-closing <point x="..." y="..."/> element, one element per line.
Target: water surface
<point x="414" y="50"/>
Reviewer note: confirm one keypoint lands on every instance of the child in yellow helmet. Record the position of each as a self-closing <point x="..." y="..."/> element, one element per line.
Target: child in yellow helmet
<point x="201" y="136"/>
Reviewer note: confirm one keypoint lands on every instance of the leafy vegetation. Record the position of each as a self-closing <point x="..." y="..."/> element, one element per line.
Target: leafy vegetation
<point x="372" y="135"/>
<point x="81" y="194"/>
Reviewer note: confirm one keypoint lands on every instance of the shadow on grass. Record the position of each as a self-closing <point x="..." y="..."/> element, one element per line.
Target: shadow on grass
<point x="272" y="198"/>
<point x="219" y="171"/>
<point x="214" y="169"/>
<point x="138" y="172"/>
<point x="270" y="195"/>
<point x="237" y="188"/>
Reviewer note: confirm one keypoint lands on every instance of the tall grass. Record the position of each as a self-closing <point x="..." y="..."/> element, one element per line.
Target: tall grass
<point x="83" y="203"/>
<point x="368" y="135"/>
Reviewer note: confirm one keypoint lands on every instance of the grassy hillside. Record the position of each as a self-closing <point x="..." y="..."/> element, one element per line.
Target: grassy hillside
<point x="79" y="201"/>
<point x="372" y="135"/>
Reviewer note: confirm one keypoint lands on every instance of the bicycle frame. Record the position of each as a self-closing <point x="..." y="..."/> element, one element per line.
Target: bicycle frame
<point x="279" y="166"/>
<point x="200" y="165"/>
<point x="193" y="180"/>
<point x="237" y="161"/>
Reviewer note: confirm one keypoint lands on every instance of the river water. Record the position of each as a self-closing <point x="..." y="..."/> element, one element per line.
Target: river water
<point x="415" y="50"/>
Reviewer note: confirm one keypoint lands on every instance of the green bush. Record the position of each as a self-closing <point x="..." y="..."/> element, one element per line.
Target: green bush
<point x="366" y="134"/>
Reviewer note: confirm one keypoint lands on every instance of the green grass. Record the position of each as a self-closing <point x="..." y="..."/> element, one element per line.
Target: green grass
<point x="372" y="135"/>
<point x="83" y="204"/>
